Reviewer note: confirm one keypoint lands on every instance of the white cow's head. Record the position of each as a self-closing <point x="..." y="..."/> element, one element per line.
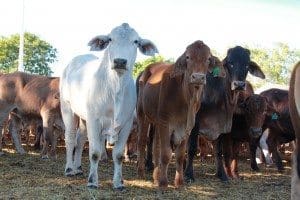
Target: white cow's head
<point x="121" y="47"/>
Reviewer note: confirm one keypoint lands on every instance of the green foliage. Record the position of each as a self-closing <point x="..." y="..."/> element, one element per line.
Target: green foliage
<point x="38" y="54"/>
<point x="140" y="66"/>
<point x="276" y="63"/>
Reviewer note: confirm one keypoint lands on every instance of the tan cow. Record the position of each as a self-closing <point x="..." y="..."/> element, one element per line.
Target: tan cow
<point x="35" y="96"/>
<point x="169" y="97"/>
<point x="294" y="106"/>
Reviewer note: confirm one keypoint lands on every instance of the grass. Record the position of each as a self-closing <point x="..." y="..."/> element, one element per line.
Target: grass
<point x="30" y="177"/>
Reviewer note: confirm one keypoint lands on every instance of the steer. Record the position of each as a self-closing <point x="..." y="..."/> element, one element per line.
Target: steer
<point x="246" y="127"/>
<point x="169" y="97"/>
<point x="218" y="104"/>
<point x="278" y="126"/>
<point x="294" y="105"/>
<point x="31" y="95"/>
<point x="99" y="96"/>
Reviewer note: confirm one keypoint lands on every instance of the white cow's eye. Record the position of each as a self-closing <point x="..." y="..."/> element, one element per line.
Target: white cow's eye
<point x="136" y="41"/>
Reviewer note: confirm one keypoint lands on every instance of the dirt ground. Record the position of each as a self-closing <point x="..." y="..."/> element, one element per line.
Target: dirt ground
<point x="30" y="177"/>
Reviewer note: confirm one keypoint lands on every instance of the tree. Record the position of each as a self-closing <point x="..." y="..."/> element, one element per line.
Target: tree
<point x="140" y="66"/>
<point x="276" y="63"/>
<point x="38" y="54"/>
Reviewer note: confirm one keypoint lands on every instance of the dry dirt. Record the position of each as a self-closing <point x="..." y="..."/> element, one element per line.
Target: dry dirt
<point x="30" y="177"/>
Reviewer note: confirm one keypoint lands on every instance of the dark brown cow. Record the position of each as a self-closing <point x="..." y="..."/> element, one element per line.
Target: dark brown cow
<point x="32" y="95"/>
<point x="279" y="126"/>
<point x="218" y="104"/>
<point x="294" y="105"/>
<point x="246" y="127"/>
<point x="169" y="97"/>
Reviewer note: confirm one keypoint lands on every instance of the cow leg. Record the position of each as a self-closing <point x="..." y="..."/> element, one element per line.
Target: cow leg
<point x="165" y="154"/>
<point x="149" y="163"/>
<point x="48" y="136"/>
<point x="253" y="144"/>
<point x="81" y="138"/>
<point x="227" y="153"/>
<point x="192" y="151"/>
<point x="5" y="110"/>
<point x="180" y="155"/>
<point x="219" y="159"/>
<point x="118" y="152"/>
<point x="156" y="156"/>
<point x="234" y="162"/>
<point x="38" y="135"/>
<point x="70" y="121"/>
<point x="272" y="144"/>
<point x="142" y="140"/>
<point x="14" y="129"/>
<point x="264" y="147"/>
<point x="95" y="138"/>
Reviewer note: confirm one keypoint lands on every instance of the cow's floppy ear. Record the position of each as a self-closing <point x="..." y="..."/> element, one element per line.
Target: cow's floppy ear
<point x="255" y="70"/>
<point x="146" y="47"/>
<point x="179" y="66"/>
<point x="216" y="67"/>
<point x="99" y="42"/>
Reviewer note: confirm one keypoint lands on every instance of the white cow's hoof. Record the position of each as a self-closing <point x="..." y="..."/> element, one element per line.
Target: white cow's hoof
<point x="92" y="186"/>
<point x="45" y="157"/>
<point x="78" y="171"/>
<point x="69" y="172"/>
<point x="120" y="188"/>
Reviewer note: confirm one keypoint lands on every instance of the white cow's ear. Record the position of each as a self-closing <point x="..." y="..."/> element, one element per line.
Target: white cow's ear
<point x="99" y="42"/>
<point x="147" y="47"/>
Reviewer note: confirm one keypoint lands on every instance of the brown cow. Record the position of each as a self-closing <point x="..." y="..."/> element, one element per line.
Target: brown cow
<point x="32" y="95"/>
<point x="169" y="97"/>
<point x="294" y="105"/>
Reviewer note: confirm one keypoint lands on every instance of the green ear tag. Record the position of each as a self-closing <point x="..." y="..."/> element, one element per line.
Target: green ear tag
<point x="216" y="71"/>
<point x="274" y="116"/>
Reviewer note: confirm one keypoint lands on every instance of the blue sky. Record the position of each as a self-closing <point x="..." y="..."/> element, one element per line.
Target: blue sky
<point x="170" y="24"/>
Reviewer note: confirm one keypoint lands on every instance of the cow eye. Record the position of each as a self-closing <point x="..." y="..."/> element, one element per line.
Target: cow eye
<point x="136" y="41"/>
<point x="187" y="57"/>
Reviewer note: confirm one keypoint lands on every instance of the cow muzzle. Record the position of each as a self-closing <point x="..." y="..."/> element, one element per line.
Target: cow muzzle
<point x="198" y="79"/>
<point x="119" y="64"/>
<point x="238" y="85"/>
<point x="255" y="132"/>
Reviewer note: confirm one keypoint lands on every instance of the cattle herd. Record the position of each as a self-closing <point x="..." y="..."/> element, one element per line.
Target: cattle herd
<point x="166" y="110"/>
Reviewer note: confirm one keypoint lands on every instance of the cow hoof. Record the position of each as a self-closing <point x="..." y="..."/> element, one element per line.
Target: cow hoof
<point x="69" y="172"/>
<point x="120" y="188"/>
<point x="45" y="157"/>
<point x="79" y="171"/>
<point x="92" y="186"/>
<point x="189" y="179"/>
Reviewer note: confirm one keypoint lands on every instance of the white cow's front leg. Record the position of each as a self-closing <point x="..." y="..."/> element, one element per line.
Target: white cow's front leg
<point x="118" y="152"/>
<point x="70" y="121"/>
<point x="93" y="130"/>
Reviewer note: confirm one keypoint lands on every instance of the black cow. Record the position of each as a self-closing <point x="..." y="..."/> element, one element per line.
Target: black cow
<point x="218" y="105"/>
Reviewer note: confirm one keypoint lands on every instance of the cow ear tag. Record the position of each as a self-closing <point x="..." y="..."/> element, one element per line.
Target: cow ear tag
<point x="216" y="71"/>
<point x="274" y="116"/>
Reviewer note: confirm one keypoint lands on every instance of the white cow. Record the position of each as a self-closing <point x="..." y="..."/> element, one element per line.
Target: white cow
<point x="98" y="96"/>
